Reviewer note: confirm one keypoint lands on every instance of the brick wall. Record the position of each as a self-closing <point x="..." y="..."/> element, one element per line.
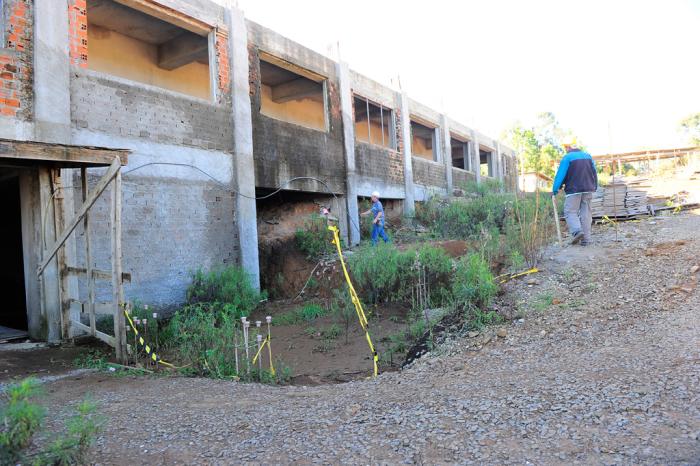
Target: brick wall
<point x="16" y="91"/>
<point x="461" y="177"/>
<point x="284" y="150"/>
<point x="171" y="227"/>
<point x="427" y="173"/>
<point x="78" y="33"/>
<point x="223" y="66"/>
<point x="375" y="162"/>
<point x="106" y="104"/>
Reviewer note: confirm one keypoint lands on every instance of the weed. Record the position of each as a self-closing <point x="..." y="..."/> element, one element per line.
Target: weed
<point x="314" y="239"/>
<point x="473" y="283"/>
<point x="306" y="313"/>
<point x="230" y="287"/>
<point x="332" y="332"/>
<point x="22" y="419"/>
<point x="543" y="301"/>
<point x="476" y="319"/>
<point x="569" y="274"/>
<point x="310" y="331"/>
<point x="93" y="359"/>
<point x="343" y="309"/>
<point x="325" y="346"/>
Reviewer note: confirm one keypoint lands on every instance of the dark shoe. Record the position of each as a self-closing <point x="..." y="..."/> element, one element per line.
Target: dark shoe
<point x="577" y="238"/>
<point x="585" y="243"/>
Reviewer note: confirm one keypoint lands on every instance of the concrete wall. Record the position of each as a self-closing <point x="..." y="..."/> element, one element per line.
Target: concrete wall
<point x="428" y="173"/>
<point x="461" y="177"/>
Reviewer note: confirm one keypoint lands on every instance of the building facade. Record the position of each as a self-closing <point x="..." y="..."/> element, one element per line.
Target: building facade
<point x="215" y="110"/>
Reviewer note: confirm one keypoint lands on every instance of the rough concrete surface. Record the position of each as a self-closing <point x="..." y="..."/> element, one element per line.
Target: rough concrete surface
<point x="607" y="372"/>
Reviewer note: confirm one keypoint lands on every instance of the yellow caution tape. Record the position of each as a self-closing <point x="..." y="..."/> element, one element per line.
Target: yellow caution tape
<point x="506" y="277"/>
<point x="607" y="219"/>
<point x="355" y="300"/>
<point x="266" y="341"/>
<point x="151" y="354"/>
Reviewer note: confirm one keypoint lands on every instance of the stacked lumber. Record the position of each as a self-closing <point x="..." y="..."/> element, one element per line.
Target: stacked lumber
<point x="621" y="198"/>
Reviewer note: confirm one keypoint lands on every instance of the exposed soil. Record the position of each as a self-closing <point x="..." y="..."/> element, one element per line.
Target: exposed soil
<point x="601" y="365"/>
<point x="315" y="359"/>
<point x="36" y="362"/>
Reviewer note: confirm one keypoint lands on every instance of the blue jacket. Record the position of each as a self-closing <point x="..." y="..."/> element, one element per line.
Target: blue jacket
<point x="577" y="173"/>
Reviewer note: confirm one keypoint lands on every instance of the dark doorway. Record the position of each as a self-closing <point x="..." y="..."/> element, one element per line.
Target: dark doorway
<point x="13" y="312"/>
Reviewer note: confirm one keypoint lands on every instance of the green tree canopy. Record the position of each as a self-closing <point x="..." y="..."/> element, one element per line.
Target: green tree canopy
<point x="691" y="127"/>
<point x="539" y="147"/>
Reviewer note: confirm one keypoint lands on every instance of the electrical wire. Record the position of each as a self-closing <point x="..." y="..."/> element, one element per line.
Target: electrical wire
<point x="257" y="198"/>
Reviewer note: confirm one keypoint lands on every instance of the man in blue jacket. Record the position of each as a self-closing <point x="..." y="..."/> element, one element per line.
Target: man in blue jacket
<point x="578" y="175"/>
<point x="377" y="212"/>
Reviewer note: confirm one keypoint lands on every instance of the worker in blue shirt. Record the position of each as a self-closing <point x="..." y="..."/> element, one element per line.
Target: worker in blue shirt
<point x="578" y="175"/>
<point x="377" y="212"/>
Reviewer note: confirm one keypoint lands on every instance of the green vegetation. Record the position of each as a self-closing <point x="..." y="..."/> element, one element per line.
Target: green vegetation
<point x="22" y="420"/>
<point x="543" y="301"/>
<point x="227" y="288"/>
<point x="385" y="273"/>
<point x="314" y="239"/>
<point x="305" y="313"/>
<point x="473" y="283"/>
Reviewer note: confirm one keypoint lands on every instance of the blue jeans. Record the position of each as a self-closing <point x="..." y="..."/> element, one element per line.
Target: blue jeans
<point x="378" y="230"/>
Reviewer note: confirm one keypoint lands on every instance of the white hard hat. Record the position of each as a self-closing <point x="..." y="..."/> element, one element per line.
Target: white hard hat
<point x="375" y="194"/>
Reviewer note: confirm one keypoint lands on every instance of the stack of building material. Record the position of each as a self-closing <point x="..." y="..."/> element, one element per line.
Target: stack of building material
<point x="621" y="198"/>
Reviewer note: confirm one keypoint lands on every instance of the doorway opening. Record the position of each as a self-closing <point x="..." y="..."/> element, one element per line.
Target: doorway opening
<point x="13" y="313"/>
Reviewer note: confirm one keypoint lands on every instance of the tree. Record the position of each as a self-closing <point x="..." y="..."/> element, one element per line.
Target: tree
<point x="539" y="147"/>
<point x="691" y="127"/>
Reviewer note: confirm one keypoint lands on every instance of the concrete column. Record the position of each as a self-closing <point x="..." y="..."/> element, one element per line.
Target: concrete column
<point x="476" y="158"/>
<point x="51" y="71"/>
<point x="243" y="164"/>
<point x="349" y="146"/>
<point x="409" y="206"/>
<point x="499" y="163"/>
<point x="447" y="151"/>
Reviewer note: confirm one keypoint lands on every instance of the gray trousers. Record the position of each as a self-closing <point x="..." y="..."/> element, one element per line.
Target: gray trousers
<point x="577" y="212"/>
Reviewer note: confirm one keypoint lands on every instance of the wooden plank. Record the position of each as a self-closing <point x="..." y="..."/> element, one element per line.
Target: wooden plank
<point x="59" y="224"/>
<point x="60" y="153"/>
<point x="289" y="66"/>
<point x="88" y="254"/>
<point x="181" y="50"/>
<point x="109" y="339"/>
<point x="97" y="274"/>
<point x="117" y="288"/>
<point x="300" y="88"/>
<point x="99" y="189"/>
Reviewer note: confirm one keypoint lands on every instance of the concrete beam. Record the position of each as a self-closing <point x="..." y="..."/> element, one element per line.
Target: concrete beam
<point x="300" y="88"/>
<point x="243" y="164"/>
<point x="183" y="49"/>
<point x="447" y="151"/>
<point x="409" y="206"/>
<point x="349" y="147"/>
<point x="51" y="71"/>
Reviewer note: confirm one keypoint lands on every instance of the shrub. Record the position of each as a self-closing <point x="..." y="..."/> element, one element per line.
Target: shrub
<point x="203" y="338"/>
<point x="380" y="271"/>
<point x="530" y="227"/>
<point x="473" y="284"/>
<point x="22" y="420"/>
<point x="230" y="287"/>
<point x="465" y="218"/>
<point x="314" y="239"/>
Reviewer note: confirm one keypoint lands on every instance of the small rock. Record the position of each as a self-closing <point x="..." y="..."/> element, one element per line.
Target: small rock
<point x="501" y="332"/>
<point x="473" y="334"/>
<point x="543" y="333"/>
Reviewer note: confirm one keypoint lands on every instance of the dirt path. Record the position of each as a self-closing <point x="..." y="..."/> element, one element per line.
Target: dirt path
<point x="603" y="369"/>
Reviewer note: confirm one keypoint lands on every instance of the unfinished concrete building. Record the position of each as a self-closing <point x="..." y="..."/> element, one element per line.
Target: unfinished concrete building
<point x="208" y="111"/>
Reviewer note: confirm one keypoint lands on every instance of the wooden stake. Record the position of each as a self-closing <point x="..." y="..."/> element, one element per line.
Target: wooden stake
<point x="88" y="255"/>
<point x="117" y="288"/>
<point x="556" y="219"/>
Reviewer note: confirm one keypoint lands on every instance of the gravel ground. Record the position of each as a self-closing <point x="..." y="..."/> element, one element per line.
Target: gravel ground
<point x="603" y="368"/>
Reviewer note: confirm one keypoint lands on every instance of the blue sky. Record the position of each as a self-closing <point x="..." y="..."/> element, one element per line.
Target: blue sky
<point x="631" y="66"/>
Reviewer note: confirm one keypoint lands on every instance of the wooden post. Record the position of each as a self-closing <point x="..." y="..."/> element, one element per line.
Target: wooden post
<point x="117" y="289"/>
<point x="88" y="255"/>
<point x="59" y="225"/>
